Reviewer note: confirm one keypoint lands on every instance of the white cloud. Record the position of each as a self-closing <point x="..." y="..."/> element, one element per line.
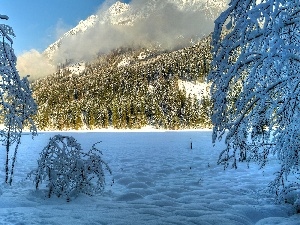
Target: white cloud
<point x="34" y="64"/>
<point x="171" y="24"/>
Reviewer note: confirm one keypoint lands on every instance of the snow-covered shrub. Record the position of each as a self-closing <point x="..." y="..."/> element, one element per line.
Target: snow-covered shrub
<point x="68" y="170"/>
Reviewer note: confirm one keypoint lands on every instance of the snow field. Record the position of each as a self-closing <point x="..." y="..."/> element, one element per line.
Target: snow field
<point x="199" y="89"/>
<point x="157" y="179"/>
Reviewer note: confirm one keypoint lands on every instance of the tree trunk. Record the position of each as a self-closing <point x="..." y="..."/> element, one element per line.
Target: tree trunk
<point x="7" y="154"/>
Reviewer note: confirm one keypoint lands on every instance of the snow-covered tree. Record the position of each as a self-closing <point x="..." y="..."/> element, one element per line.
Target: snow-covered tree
<point x="16" y="102"/>
<point x="256" y="85"/>
<point x="68" y="170"/>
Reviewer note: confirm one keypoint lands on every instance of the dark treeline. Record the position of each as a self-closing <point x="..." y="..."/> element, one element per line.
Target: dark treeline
<point x="141" y="91"/>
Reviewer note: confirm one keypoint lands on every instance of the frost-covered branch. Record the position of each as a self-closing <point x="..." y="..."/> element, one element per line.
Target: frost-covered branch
<point x="68" y="170"/>
<point x="255" y="83"/>
<point x="17" y="104"/>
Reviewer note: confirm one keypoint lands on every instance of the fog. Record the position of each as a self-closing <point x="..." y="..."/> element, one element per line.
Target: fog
<point x="169" y="24"/>
<point x="34" y="64"/>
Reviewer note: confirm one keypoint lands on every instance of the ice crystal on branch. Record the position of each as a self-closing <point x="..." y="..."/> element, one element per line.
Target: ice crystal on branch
<point x="16" y="103"/>
<point x="255" y="84"/>
<point x="68" y="170"/>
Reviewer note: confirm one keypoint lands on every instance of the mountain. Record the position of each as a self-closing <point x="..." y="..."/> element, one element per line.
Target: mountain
<point x="129" y="88"/>
<point x="159" y="22"/>
<point x="130" y="85"/>
<point x="110" y="16"/>
<point x="80" y="28"/>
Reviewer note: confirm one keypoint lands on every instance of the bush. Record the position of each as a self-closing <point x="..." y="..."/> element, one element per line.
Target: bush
<point x="68" y="170"/>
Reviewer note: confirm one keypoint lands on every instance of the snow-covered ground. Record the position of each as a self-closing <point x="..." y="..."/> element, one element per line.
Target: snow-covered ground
<point x="77" y="68"/>
<point x="158" y="179"/>
<point x="198" y="89"/>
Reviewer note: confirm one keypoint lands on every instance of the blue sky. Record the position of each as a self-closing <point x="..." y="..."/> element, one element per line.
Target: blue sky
<point x="37" y="22"/>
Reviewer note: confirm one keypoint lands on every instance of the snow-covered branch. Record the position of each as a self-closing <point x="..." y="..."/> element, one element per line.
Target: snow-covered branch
<point x="255" y="82"/>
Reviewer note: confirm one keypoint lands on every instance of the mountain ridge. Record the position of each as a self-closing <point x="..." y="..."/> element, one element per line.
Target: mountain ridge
<point x="126" y="15"/>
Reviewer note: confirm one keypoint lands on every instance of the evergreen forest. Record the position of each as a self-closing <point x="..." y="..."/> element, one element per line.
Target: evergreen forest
<point x="127" y="89"/>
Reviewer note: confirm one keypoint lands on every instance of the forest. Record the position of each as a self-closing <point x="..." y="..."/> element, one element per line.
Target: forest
<point x="127" y="88"/>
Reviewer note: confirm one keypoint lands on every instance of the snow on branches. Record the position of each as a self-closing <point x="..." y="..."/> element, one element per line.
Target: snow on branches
<point x="16" y="103"/>
<point x="255" y="84"/>
<point x="68" y="170"/>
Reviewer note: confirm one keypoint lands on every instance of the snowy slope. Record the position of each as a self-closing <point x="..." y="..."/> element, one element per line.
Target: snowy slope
<point x="123" y="14"/>
<point x="157" y="179"/>
<point x="111" y="16"/>
<point x="80" y="28"/>
<point x="77" y="68"/>
<point x="117" y="15"/>
<point x="198" y="89"/>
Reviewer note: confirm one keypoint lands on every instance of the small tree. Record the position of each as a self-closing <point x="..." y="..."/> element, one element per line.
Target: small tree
<point x="256" y="85"/>
<point x="16" y="103"/>
<point x="68" y="170"/>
